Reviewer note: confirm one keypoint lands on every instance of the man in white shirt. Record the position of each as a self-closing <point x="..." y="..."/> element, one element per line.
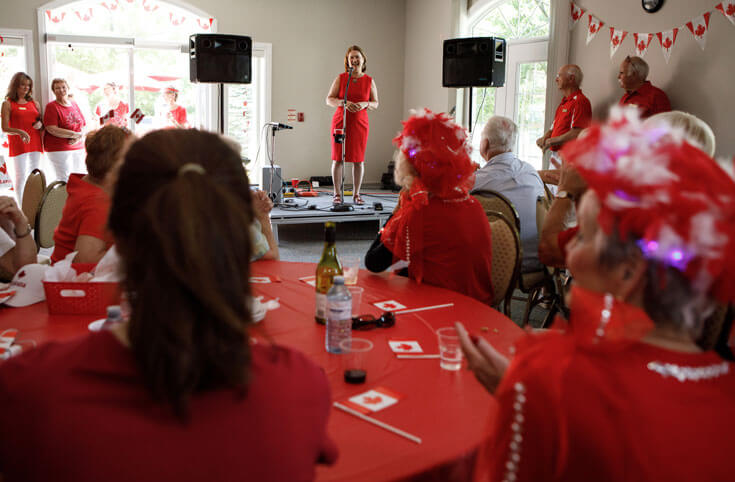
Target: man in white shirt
<point x="513" y="178"/>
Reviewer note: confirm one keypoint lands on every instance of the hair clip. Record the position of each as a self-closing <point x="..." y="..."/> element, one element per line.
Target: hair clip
<point x="191" y="167"/>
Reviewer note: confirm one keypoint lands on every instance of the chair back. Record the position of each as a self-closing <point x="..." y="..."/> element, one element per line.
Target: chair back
<point x="494" y="202"/>
<point x="32" y="193"/>
<point x="506" y="260"/>
<point x="49" y="213"/>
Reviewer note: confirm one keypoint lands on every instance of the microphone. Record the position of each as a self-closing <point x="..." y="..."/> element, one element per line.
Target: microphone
<point x="278" y="126"/>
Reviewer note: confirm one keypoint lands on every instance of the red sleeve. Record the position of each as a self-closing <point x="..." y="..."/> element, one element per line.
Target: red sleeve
<point x="524" y="441"/>
<point x="51" y="115"/>
<point x="564" y="237"/>
<point x="583" y="116"/>
<point x="94" y="220"/>
<point x="180" y="115"/>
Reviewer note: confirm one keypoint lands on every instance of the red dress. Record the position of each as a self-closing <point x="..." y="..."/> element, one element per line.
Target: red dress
<point x="357" y="122"/>
<point x="78" y="411"/>
<point x="23" y="116"/>
<point x="580" y="406"/>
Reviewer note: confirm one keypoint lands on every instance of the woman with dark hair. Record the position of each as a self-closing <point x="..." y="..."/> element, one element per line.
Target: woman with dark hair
<point x="437" y="228"/>
<point x="64" y="122"/>
<point x="180" y="392"/>
<point x="21" y="120"/>
<point x="83" y="225"/>
<point x="362" y="95"/>
<point x="625" y="393"/>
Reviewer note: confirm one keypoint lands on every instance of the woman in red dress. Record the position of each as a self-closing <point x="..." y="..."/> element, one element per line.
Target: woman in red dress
<point x="362" y="95"/>
<point x="21" y="120"/>
<point x="624" y="392"/>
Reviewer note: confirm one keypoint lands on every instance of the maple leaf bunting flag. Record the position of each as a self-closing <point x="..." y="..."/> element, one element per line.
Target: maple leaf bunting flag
<point x="616" y="38"/>
<point x="667" y="40"/>
<point x="574" y="16"/>
<point x="698" y="27"/>
<point x="728" y="10"/>
<point x="642" y="41"/>
<point x="593" y="27"/>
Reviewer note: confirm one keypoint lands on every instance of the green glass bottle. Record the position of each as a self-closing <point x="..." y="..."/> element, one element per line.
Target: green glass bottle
<point x="326" y="270"/>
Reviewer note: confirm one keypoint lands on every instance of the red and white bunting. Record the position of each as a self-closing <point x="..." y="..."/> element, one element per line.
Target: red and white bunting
<point x="55" y="17"/>
<point x="84" y="16"/>
<point x="176" y="20"/>
<point x="699" y="26"/>
<point x="593" y="27"/>
<point x="111" y="5"/>
<point x="728" y="10"/>
<point x="616" y="38"/>
<point x="667" y="40"/>
<point x="205" y="23"/>
<point x="576" y="13"/>
<point x="642" y="41"/>
<point x="149" y="6"/>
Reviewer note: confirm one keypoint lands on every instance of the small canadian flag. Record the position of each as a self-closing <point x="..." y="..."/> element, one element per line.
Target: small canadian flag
<point x="105" y="118"/>
<point x="667" y="40"/>
<point x="727" y="8"/>
<point x="137" y="116"/>
<point x="575" y="14"/>
<point x="698" y="27"/>
<point x="594" y="26"/>
<point x="616" y="38"/>
<point x="642" y="41"/>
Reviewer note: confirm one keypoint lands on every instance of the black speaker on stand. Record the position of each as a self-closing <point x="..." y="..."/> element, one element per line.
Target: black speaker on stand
<point x="221" y="59"/>
<point x="474" y="62"/>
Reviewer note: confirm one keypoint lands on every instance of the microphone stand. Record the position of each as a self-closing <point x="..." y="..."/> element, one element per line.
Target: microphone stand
<point x="343" y="206"/>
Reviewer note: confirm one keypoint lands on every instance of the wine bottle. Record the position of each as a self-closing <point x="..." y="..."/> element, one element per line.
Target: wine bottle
<point x="326" y="270"/>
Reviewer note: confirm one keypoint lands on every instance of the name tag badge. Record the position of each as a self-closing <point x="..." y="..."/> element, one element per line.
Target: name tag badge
<point x="22" y="108"/>
<point x="565" y="110"/>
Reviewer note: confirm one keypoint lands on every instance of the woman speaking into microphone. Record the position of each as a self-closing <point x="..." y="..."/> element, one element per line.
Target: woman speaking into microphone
<point x="362" y="94"/>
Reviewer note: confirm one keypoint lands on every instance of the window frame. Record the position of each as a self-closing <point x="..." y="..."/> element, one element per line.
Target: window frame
<point x="27" y="36"/>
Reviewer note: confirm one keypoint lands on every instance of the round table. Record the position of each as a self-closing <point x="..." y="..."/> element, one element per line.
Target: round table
<point x="448" y="410"/>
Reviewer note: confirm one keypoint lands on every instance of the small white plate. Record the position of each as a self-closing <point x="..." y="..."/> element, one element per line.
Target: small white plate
<point x="96" y="325"/>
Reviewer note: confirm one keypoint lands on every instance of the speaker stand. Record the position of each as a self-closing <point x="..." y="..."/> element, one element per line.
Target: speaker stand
<point x="221" y="88"/>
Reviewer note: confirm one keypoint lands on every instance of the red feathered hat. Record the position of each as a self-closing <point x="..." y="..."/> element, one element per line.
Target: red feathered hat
<point x="438" y="149"/>
<point x="666" y="193"/>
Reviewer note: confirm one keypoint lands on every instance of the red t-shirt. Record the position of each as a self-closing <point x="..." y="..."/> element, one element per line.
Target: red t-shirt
<point x="649" y="99"/>
<point x="611" y="411"/>
<point x="179" y="115"/>
<point x="574" y="112"/>
<point x="66" y="117"/>
<point x="120" y="111"/>
<point x="78" y="411"/>
<point x="85" y="213"/>
<point x="23" y="116"/>
<point x="564" y="237"/>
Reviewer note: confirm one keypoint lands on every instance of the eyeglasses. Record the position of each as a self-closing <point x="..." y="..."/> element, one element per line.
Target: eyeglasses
<point x="368" y="322"/>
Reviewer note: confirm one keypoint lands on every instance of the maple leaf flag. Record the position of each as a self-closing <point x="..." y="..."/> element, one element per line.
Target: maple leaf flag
<point x="728" y="10"/>
<point x="667" y="40"/>
<point x="616" y="38"/>
<point x="642" y="41"/>
<point x="137" y="116"/>
<point x="698" y="26"/>
<point x="576" y="13"/>
<point x="107" y="117"/>
<point x="594" y="25"/>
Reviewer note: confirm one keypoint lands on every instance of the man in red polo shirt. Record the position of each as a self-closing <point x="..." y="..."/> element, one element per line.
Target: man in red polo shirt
<point x="638" y="91"/>
<point x="573" y="114"/>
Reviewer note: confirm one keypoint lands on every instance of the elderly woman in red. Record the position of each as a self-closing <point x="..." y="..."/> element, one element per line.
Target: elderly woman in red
<point x="624" y="393"/>
<point x="438" y="228"/>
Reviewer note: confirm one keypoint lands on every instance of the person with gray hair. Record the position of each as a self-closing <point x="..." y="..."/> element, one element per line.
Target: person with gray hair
<point x="515" y="179"/>
<point x="573" y="114"/>
<point x="640" y="92"/>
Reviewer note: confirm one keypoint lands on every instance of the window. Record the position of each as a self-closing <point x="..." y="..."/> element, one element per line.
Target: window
<point x="15" y="56"/>
<point x="525" y="25"/>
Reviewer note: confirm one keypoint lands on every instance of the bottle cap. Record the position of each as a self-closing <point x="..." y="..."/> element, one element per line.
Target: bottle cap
<point x="338" y="280"/>
<point x="355" y="376"/>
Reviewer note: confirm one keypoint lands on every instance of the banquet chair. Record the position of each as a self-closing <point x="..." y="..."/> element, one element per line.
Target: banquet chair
<point x="494" y="202"/>
<point x="32" y="193"/>
<point x="506" y="260"/>
<point x="49" y="213"/>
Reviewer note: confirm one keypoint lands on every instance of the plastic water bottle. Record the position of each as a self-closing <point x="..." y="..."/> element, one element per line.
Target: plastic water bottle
<point x="339" y="315"/>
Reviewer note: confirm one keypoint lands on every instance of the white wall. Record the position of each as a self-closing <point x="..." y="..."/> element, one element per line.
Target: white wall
<point x="428" y="24"/>
<point x="309" y="40"/>
<point x="696" y="81"/>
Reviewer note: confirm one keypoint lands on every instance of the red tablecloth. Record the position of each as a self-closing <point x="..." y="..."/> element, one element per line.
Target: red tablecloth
<point x="447" y="410"/>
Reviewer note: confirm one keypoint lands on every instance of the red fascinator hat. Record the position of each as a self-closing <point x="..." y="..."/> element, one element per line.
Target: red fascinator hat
<point x="669" y="195"/>
<point x="438" y="150"/>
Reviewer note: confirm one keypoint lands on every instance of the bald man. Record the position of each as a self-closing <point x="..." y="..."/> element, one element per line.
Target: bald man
<point x="640" y="92"/>
<point x="573" y="114"/>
